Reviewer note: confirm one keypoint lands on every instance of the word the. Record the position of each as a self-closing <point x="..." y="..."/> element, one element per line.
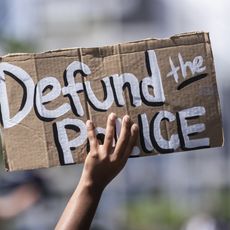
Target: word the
<point x="196" y="67"/>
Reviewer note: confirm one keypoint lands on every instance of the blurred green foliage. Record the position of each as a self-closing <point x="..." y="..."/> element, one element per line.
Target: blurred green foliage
<point x="10" y="45"/>
<point x="161" y="213"/>
<point x="155" y="213"/>
<point x="221" y="208"/>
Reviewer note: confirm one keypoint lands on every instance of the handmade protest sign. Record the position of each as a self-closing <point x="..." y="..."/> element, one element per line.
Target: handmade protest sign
<point x="167" y="86"/>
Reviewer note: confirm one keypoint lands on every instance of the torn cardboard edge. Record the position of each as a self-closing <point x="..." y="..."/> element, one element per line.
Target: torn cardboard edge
<point x="178" y="39"/>
<point x="198" y="67"/>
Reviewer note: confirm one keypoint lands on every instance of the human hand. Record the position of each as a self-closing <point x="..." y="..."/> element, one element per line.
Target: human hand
<point x="104" y="162"/>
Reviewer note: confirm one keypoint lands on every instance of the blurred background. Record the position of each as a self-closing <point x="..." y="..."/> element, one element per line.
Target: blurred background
<point x="185" y="191"/>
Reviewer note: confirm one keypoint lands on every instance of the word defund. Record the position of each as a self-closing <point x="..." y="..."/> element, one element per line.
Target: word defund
<point x="112" y="85"/>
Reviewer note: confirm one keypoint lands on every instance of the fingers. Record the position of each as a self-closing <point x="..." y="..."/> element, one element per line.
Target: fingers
<point x="132" y="141"/>
<point x="109" y="133"/>
<point x="93" y="142"/>
<point x="126" y="141"/>
<point x="124" y="136"/>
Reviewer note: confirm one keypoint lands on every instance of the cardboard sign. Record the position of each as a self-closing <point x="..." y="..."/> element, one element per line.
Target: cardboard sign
<point x="167" y="86"/>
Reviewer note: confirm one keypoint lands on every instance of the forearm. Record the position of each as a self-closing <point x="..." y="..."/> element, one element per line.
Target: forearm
<point x="81" y="208"/>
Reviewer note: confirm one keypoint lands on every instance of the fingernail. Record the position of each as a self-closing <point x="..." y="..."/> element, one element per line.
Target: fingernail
<point x="112" y="116"/>
<point x="135" y="127"/>
<point x="126" y="118"/>
<point x="89" y="123"/>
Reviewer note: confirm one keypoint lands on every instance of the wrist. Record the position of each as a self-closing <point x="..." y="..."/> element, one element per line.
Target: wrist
<point x="90" y="187"/>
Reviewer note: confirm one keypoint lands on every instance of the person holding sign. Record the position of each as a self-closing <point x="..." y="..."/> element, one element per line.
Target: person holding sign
<point x="102" y="164"/>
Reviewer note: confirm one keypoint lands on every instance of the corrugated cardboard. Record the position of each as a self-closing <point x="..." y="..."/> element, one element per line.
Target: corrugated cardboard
<point x="182" y="115"/>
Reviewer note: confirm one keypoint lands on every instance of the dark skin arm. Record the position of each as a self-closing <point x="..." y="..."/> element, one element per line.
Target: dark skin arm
<point x="102" y="164"/>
